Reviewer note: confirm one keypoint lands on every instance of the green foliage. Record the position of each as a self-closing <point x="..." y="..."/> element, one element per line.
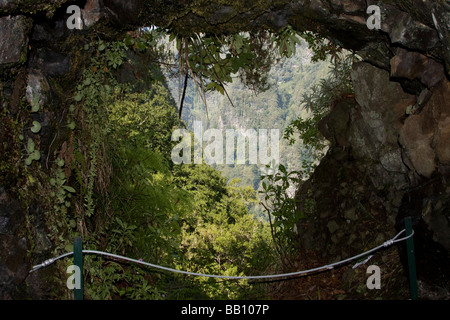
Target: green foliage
<point x="283" y="207"/>
<point x="136" y="210"/>
<point x="110" y="279"/>
<point x="220" y="237"/>
<point x="112" y="183"/>
<point x="145" y="119"/>
<point x="128" y="198"/>
<point x="118" y="189"/>
<point x="32" y="152"/>
<point x="36" y="127"/>
<point x="295" y="81"/>
<point x="217" y="58"/>
<point x="93" y="94"/>
<point x="274" y="108"/>
<point x="320" y="47"/>
<point x="35" y="106"/>
<point x="92" y="173"/>
<point x="60" y="191"/>
<point x="287" y="40"/>
<point x="212" y="60"/>
<point x="318" y="102"/>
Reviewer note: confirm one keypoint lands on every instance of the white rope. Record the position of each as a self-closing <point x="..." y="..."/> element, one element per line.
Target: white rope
<point x="282" y="275"/>
<point x="362" y="262"/>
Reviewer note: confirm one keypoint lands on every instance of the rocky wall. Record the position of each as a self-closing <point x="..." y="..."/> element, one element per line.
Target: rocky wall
<point x="387" y="161"/>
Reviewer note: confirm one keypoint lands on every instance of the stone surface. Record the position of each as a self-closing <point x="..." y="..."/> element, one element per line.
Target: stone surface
<point x="413" y="65"/>
<point x="125" y="12"/>
<point x="442" y="142"/>
<point x="441" y="21"/>
<point x="36" y="87"/>
<point x="382" y="107"/>
<point x="413" y="34"/>
<point x="13" y="246"/>
<point x="417" y="142"/>
<point x="332" y="226"/>
<point x="369" y="182"/>
<point x="92" y="13"/>
<point x="392" y="161"/>
<point x="13" y="39"/>
<point x="349" y="6"/>
<point x="50" y="63"/>
<point x="424" y="136"/>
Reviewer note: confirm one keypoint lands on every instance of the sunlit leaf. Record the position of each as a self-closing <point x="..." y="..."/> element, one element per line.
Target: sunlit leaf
<point x="36" y="127"/>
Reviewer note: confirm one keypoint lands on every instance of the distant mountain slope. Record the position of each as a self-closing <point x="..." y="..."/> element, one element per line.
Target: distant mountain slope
<point x="272" y="109"/>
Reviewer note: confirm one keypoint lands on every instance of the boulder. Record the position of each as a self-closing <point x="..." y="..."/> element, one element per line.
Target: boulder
<point x="14" y="39"/>
<point x="51" y="63"/>
<point x="414" y="65"/>
<point x="382" y="108"/>
<point x="441" y="21"/>
<point x="413" y="34"/>
<point x="425" y="136"/>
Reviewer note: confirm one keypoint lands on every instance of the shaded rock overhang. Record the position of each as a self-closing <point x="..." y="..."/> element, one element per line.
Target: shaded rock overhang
<point x="416" y="25"/>
<point x="419" y="25"/>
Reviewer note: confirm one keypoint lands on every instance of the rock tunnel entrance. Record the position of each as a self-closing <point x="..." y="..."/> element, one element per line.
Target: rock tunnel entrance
<point x="393" y="151"/>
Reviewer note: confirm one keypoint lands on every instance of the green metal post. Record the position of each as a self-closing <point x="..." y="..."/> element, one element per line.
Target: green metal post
<point x="78" y="261"/>
<point x="411" y="260"/>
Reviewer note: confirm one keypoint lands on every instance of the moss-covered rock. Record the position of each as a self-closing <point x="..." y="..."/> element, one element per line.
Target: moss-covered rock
<point x="14" y="40"/>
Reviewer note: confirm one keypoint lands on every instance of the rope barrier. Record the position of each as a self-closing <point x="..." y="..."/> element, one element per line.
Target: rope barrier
<point x="282" y="275"/>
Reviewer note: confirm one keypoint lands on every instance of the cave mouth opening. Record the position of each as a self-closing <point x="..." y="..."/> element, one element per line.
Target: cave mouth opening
<point x="348" y="28"/>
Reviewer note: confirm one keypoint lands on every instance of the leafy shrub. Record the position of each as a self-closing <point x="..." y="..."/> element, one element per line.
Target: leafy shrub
<point x="318" y="102"/>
